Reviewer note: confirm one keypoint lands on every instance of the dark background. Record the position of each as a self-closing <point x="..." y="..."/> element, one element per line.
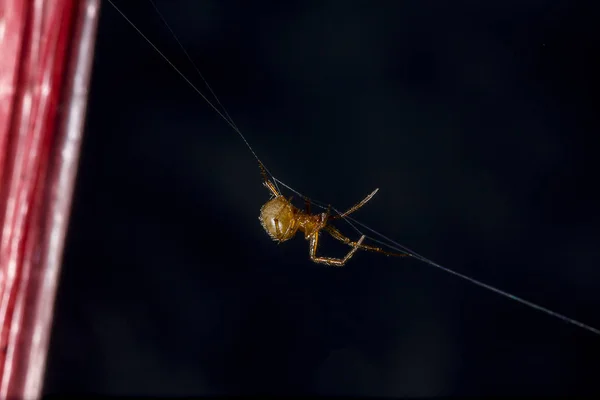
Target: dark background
<point x="477" y="119"/>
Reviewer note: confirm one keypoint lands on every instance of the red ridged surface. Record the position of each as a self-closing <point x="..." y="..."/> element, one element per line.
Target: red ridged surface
<point x="45" y="48"/>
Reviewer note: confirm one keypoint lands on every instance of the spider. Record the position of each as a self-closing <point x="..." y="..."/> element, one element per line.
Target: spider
<point x="282" y="220"/>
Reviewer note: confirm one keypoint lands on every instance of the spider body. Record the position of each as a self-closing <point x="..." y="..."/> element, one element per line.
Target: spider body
<point x="282" y="220"/>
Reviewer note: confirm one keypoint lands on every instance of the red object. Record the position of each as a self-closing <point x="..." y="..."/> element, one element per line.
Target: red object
<point x="46" y="47"/>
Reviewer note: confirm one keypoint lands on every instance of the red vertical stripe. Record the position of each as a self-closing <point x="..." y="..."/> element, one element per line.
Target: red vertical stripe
<point x="37" y="37"/>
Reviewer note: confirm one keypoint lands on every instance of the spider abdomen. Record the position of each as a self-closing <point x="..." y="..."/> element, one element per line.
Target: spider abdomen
<point x="279" y="218"/>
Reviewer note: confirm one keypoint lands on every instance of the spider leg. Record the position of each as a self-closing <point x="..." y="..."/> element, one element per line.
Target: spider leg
<point x="336" y="234"/>
<point x="333" y="262"/>
<point x="269" y="185"/>
<point x="307" y="205"/>
<point x="356" y="206"/>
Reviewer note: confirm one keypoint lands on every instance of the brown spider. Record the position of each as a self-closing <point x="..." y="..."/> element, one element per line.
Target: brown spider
<point x="282" y="220"/>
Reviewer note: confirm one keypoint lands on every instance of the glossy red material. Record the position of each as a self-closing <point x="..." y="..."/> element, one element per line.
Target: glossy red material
<point x="45" y="47"/>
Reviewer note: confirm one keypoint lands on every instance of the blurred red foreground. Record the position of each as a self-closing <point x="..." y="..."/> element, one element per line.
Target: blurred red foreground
<point x="46" y="48"/>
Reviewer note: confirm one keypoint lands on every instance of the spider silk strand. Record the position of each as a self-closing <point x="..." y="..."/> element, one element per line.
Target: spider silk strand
<point x="383" y="240"/>
<point x="223" y="114"/>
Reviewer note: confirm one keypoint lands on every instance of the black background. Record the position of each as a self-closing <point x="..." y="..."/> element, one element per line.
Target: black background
<point x="476" y="119"/>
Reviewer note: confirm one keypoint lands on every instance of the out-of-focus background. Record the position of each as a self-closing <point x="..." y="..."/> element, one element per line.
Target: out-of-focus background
<point x="475" y="119"/>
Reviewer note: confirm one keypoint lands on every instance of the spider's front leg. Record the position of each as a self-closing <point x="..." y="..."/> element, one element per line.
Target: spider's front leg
<point x="356" y="206"/>
<point x="339" y="236"/>
<point x="333" y="262"/>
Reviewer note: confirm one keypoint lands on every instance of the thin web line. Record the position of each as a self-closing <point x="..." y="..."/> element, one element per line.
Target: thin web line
<point x="351" y="221"/>
<point x="230" y="122"/>
<point x="182" y="47"/>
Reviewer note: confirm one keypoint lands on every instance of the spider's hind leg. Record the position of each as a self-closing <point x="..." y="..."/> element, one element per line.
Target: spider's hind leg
<point x="268" y="184"/>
